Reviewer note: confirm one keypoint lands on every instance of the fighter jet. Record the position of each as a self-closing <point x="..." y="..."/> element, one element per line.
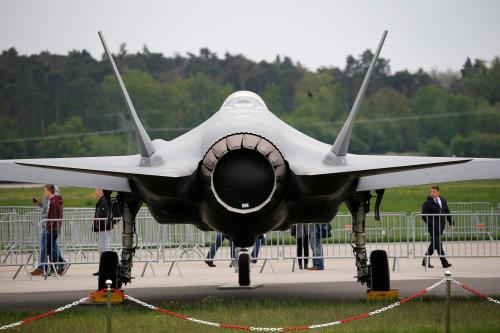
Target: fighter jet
<point x="244" y="172"/>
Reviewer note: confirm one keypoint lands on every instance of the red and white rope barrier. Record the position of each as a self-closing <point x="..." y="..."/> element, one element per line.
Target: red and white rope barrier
<point x="475" y="292"/>
<point x="50" y="313"/>
<point x="252" y="328"/>
<point x="288" y="328"/>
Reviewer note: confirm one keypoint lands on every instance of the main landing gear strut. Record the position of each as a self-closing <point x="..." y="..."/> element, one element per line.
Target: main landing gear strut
<point x="375" y="274"/>
<point x="109" y="266"/>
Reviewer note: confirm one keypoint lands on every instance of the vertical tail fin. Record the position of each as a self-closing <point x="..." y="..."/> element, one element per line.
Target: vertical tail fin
<point x="145" y="145"/>
<point x="341" y="144"/>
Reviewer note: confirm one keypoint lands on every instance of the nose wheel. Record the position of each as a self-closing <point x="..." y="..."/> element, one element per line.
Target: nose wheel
<point x="243" y="268"/>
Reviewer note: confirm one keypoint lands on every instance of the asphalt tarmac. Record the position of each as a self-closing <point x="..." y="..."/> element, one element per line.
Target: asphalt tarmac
<point x="340" y="290"/>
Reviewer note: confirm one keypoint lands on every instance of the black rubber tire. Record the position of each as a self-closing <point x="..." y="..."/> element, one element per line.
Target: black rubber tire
<point x="244" y="269"/>
<point x="108" y="269"/>
<point x="379" y="271"/>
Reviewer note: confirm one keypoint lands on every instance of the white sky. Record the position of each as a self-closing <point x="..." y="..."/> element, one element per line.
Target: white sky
<point x="425" y="33"/>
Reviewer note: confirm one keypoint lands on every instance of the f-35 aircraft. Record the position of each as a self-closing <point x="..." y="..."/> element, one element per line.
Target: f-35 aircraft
<point x="244" y="172"/>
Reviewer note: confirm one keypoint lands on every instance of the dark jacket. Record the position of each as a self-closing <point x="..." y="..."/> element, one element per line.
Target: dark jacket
<point x="436" y="224"/>
<point x="54" y="214"/>
<point x="101" y="218"/>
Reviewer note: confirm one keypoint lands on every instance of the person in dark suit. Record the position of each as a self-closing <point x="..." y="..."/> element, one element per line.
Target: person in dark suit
<point x="103" y="222"/>
<point x="433" y="207"/>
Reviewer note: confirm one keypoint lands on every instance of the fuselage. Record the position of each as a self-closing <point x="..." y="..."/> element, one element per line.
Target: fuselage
<point x="243" y="184"/>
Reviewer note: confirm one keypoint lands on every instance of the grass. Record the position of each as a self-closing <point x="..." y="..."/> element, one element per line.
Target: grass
<point x="73" y="196"/>
<point x="406" y="199"/>
<point x="422" y="315"/>
<point x="410" y="199"/>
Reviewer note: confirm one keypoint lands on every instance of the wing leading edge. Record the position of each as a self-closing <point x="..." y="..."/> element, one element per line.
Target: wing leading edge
<point x="14" y="172"/>
<point x="475" y="169"/>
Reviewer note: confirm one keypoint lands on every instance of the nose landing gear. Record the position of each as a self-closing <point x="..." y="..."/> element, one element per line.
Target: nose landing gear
<point x="243" y="267"/>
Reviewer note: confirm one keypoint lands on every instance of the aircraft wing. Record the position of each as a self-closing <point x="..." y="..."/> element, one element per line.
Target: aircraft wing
<point x="368" y="165"/>
<point x="15" y="171"/>
<point x="475" y="169"/>
<point x="108" y="172"/>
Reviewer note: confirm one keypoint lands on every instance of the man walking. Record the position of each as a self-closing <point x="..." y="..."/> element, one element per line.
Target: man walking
<point x="103" y="224"/>
<point x="433" y="211"/>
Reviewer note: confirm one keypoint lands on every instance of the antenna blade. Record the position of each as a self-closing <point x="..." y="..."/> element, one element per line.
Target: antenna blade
<point x="341" y="144"/>
<point x="145" y="145"/>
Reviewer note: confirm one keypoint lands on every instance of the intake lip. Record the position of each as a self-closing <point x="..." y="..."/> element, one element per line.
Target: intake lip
<point x="242" y="172"/>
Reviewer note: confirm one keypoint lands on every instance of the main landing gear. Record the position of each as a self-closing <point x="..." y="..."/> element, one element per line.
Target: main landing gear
<point x="120" y="272"/>
<point x="376" y="274"/>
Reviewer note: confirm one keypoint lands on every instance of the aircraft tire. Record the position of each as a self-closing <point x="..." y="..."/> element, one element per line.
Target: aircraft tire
<point x="244" y="269"/>
<point x="379" y="270"/>
<point x="108" y="269"/>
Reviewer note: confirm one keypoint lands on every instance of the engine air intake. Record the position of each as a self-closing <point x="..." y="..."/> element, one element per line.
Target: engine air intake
<point x="243" y="172"/>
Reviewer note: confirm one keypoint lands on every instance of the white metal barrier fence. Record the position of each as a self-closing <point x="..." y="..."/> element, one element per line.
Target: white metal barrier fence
<point x="314" y="241"/>
<point x="470" y="206"/>
<point x="467" y="235"/>
<point x="401" y="235"/>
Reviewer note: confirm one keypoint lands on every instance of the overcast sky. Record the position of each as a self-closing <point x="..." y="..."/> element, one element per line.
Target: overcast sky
<point x="428" y="34"/>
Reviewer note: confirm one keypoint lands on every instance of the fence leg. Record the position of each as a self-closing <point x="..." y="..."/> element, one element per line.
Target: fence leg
<point x="267" y="261"/>
<point x="19" y="270"/>
<point x="146" y="266"/>
<point x="172" y="266"/>
<point x="271" y="266"/>
<point x="263" y="265"/>
<point x="144" y="269"/>
<point x="152" y="269"/>
<point x="447" y="274"/>
<point x="108" y="304"/>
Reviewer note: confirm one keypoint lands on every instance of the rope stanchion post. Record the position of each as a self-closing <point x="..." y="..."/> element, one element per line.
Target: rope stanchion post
<point x="108" y="304"/>
<point x="447" y="275"/>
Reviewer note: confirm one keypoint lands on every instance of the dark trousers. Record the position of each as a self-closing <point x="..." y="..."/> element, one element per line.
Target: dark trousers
<point x="52" y="249"/>
<point x="303" y="248"/>
<point x="256" y="248"/>
<point x="436" y="244"/>
<point x="220" y="239"/>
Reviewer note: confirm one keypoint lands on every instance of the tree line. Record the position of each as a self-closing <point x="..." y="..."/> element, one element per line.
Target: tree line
<point x="70" y="105"/>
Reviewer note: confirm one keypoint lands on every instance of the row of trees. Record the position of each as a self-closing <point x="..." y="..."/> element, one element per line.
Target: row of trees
<point x="53" y="105"/>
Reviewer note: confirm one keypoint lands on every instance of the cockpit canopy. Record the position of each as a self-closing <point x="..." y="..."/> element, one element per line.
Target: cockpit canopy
<point x="244" y="99"/>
